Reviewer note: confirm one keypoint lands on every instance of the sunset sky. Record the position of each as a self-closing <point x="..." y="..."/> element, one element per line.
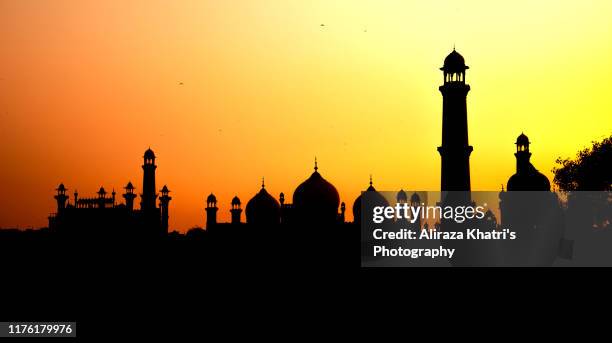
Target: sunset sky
<point x="87" y="86"/>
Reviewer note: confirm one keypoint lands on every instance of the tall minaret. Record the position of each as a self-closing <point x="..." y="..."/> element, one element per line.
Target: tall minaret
<point x="164" y="202"/>
<point x="455" y="150"/>
<point x="211" y="211"/>
<point x="148" y="196"/>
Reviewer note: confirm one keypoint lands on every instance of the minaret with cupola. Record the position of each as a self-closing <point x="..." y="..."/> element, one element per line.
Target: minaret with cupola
<point x="211" y="211"/>
<point x="236" y="210"/>
<point x="101" y="197"/>
<point x="522" y="154"/>
<point x="455" y="149"/>
<point x="129" y="196"/>
<point x="61" y="197"/>
<point x="164" y="203"/>
<point x="149" y="195"/>
<point x="527" y="177"/>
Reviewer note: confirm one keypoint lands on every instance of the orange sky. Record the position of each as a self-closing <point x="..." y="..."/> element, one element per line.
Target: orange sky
<point x="87" y="86"/>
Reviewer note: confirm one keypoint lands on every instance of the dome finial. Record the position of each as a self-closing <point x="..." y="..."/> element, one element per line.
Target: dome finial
<point x="316" y="166"/>
<point x="263" y="182"/>
<point x="370" y="179"/>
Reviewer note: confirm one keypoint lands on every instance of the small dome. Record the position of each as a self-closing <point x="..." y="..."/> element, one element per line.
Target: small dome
<point x="316" y="199"/>
<point x="415" y="198"/>
<point x="61" y="187"/>
<point x="374" y="199"/>
<point x="454" y="62"/>
<point x="129" y="186"/>
<point x="101" y="191"/>
<point x="211" y="198"/>
<point x="165" y="189"/>
<point x="402" y="196"/>
<point x="236" y="201"/>
<point x="522" y="140"/>
<point x="149" y="154"/>
<point x="263" y="209"/>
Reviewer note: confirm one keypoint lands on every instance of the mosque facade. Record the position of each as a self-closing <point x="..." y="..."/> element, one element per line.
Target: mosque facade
<point x="93" y="216"/>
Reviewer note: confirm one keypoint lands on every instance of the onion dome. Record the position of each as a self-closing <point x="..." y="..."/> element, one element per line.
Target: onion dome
<point x="211" y="200"/>
<point x="522" y="140"/>
<point x="402" y="196"/>
<point x="236" y="201"/>
<point x="129" y="186"/>
<point x="165" y="191"/>
<point x="61" y="188"/>
<point x="101" y="191"/>
<point x="454" y="63"/>
<point x="374" y="199"/>
<point x="263" y="209"/>
<point x="316" y="199"/>
<point x="149" y="154"/>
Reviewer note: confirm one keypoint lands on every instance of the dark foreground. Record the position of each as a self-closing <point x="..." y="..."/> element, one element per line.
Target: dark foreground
<point x="245" y="284"/>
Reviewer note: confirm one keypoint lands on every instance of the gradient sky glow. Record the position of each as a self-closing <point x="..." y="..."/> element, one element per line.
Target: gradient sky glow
<point x="87" y="86"/>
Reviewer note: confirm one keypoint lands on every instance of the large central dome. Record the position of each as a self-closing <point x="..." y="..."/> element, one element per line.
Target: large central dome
<point x="316" y="199"/>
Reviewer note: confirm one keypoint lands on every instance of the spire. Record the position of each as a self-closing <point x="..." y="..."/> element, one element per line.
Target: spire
<point x="316" y="166"/>
<point x="371" y="188"/>
<point x="263" y="183"/>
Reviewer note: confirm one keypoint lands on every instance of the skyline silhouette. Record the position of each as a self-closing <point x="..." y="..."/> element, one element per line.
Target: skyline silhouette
<point x="267" y="210"/>
<point x="316" y="201"/>
<point x="265" y="90"/>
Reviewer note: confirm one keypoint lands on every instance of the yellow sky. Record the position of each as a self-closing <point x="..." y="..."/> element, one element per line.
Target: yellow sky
<point x="87" y="86"/>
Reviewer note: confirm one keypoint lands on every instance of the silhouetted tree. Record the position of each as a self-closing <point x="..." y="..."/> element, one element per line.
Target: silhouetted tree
<point x="591" y="170"/>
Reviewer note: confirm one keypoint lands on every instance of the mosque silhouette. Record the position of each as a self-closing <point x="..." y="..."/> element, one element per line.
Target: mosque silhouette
<point x="315" y="202"/>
